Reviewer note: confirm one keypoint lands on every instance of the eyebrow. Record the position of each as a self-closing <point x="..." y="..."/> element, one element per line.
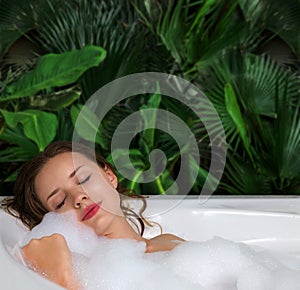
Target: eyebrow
<point x="70" y="176"/>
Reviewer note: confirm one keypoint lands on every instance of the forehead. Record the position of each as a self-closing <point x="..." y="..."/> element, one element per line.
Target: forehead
<point x="65" y="164"/>
<point x="68" y="159"/>
<point x="57" y="171"/>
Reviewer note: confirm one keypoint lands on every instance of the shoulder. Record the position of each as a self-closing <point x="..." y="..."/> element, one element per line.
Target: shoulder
<point x="165" y="242"/>
<point x="167" y="237"/>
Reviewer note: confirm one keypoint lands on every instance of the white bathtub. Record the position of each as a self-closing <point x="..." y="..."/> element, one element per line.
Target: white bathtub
<point x="272" y="222"/>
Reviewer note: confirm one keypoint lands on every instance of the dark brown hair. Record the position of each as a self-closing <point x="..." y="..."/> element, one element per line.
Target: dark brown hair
<point x="26" y="205"/>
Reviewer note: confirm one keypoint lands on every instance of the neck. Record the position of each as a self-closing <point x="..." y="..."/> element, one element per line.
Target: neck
<point x="122" y="230"/>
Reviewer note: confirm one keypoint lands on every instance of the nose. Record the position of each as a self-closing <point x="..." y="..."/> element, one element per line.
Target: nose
<point x="79" y="199"/>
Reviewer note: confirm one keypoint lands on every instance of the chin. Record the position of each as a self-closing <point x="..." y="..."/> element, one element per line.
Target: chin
<point x="103" y="224"/>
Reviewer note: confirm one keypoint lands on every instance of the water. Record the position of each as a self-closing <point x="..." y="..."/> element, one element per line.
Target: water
<point x="216" y="264"/>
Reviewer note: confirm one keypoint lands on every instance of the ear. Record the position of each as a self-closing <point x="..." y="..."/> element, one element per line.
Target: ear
<point x="111" y="177"/>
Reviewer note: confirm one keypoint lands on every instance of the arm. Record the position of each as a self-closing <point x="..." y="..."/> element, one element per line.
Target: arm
<point x="51" y="257"/>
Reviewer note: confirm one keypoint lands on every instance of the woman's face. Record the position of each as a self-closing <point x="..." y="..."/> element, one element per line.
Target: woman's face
<point x="70" y="181"/>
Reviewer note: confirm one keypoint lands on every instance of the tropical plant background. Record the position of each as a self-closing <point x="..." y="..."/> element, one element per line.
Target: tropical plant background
<point x="244" y="55"/>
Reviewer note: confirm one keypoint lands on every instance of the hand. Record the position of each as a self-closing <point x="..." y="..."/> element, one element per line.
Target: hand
<point x="51" y="257"/>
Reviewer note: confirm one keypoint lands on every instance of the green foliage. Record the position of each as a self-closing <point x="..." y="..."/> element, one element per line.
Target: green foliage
<point x="111" y="24"/>
<point x="89" y="128"/>
<point x="261" y="124"/>
<point x="141" y="152"/>
<point x="196" y="32"/>
<point x="21" y="147"/>
<point x="20" y="17"/>
<point x="27" y="132"/>
<point x="234" y="112"/>
<point x="39" y="126"/>
<point x="244" y="55"/>
<point x="55" y="70"/>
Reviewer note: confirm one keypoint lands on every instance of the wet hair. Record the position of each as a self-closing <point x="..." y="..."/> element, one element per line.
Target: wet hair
<point x="25" y="203"/>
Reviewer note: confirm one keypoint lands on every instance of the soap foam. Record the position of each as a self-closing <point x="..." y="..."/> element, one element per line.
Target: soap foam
<point x="121" y="264"/>
<point x="76" y="234"/>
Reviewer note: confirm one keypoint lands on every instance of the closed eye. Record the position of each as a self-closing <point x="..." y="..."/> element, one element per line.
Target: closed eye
<point x="60" y="205"/>
<point x="85" y="179"/>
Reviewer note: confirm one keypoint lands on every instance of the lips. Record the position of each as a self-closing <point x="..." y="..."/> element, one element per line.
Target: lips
<point x="90" y="211"/>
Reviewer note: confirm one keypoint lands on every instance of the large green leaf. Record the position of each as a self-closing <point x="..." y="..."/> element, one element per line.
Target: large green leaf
<point x="234" y="111"/>
<point x="89" y="126"/>
<point x="39" y="126"/>
<point x="21" y="148"/>
<point x="139" y="162"/>
<point x="110" y="24"/>
<point x="149" y="120"/>
<point x="54" y="70"/>
<point x="17" y="154"/>
<point x="55" y="101"/>
<point x="136" y="160"/>
<point x="163" y="183"/>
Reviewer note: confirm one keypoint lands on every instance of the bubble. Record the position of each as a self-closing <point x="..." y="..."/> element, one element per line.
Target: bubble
<point x="122" y="264"/>
<point x="76" y="235"/>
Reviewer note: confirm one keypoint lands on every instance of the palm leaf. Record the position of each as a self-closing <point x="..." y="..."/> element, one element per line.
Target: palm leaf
<point x="264" y="76"/>
<point x="287" y="141"/>
<point x="21" y="16"/>
<point x="242" y="178"/>
<point x="266" y="96"/>
<point x="112" y="25"/>
<point x="196" y="32"/>
<point x="283" y="19"/>
<point x="255" y="80"/>
<point x="65" y="127"/>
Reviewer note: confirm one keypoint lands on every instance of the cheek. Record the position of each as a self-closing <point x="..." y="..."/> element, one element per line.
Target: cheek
<point x="100" y="189"/>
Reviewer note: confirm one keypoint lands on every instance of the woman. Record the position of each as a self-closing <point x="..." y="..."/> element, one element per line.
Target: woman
<point x="62" y="178"/>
